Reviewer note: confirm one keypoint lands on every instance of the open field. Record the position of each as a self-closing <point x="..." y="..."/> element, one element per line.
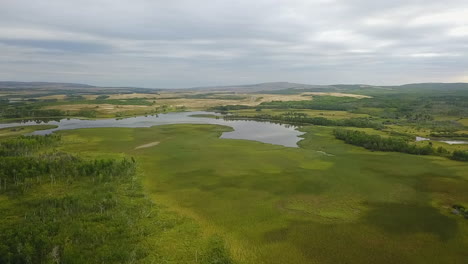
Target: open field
<point x="103" y="109"/>
<point x="164" y="102"/>
<point x="296" y="205"/>
<point x="191" y="100"/>
<point x="133" y="95"/>
<point x="196" y="198"/>
<point x="359" y="96"/>
<point x="233" y="132"/>
<point x="75" y="217"/>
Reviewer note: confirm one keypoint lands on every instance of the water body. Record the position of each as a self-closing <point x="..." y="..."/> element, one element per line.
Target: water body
<point x="266" y="132"/>
<point x="451" y="142"/>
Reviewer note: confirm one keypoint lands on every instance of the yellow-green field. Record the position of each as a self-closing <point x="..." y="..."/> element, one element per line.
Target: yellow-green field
<point x="186" y="100"/>
<point x="325" y="202"/>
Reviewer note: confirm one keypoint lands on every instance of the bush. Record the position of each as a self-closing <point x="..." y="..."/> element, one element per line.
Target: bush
<point x="376" y="142"/>
<point x="460" y="155"/>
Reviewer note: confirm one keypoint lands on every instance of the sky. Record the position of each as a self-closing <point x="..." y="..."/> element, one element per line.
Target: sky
<point x="185" y="43"/>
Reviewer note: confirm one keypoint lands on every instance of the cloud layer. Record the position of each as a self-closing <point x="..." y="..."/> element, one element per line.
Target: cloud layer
<point x="184" y="43"/>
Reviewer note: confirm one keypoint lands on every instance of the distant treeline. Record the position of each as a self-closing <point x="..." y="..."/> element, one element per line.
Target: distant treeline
<point x="318" y="103"/>
<point x="414" y="107"/>
<point x="28" y="111"/>
<point x="302" y="118"/>
<point x="35" y="109"/>
<point x="449" y="135"/>
<point x="376" y="142"/>
<point x="396" y="144"/>
<point x="32" y="112"/>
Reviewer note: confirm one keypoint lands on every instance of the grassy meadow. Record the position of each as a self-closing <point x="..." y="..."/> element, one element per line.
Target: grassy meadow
<point x="191" y="197"/>
<point x="324" y="202"/>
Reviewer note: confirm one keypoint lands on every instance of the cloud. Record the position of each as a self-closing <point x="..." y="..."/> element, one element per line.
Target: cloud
<point x="185" y="43"/>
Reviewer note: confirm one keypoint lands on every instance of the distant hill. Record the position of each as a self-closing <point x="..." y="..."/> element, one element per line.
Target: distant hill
<point x="41" y="85"/>
<point x="435" y="86"/>
<point x="270" y="86"/>
<point x="68" y="88"/>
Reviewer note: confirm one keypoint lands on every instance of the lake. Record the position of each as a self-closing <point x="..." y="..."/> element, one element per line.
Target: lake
<point x="266" y="132"/>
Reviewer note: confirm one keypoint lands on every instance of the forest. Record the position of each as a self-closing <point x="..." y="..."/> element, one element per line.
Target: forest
<point x="62" y="208"/>
<point x="418" y="107"/>
<point x="396" y="144"/>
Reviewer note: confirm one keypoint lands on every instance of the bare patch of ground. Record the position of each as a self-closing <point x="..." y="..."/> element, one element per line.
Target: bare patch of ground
<point x="148" y="145"/>
<point x="359" y="96"/>
<point x="178" y="100"/>
<point x="250" y="100"/>
<point x="132" y="95"/>
<point x="325" y="153"/>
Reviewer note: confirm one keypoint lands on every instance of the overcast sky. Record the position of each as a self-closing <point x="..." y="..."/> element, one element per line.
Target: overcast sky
<point x="162" y="43"/>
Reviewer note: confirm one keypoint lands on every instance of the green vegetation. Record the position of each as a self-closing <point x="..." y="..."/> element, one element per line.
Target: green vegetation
<point x="36" y="109"/>
<point x="460" y="155"/>
<point x="459" y="209"/>
<point x="350" y="193"/>
<point x="20" y="130"/>
<point x="417" y="108"/>
<point x="397" y="144"/>
<point x="376" y="142"/>
<point x="318" y="103"/>
<point x="102" y="97"/>
<point x="302" y="118"/>
<point x="449" y="135"/>
<point x="21" y="110"/>
<point x="272" y="204"/>
<point x="61" y="208"/>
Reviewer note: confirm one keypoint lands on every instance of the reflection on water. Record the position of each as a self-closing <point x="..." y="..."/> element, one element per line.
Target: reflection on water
<point x="450" y="142"/>
<point x="285" y="135"/>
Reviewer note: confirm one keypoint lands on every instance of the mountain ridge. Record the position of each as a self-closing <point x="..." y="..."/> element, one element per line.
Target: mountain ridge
<point x="256" y="87"/>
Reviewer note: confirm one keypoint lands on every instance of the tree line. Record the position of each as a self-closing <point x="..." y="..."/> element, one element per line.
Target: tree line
<point x="396" y="144"/>
<point x="302" y="118"/>
<point x="460" y="155"/>
<point x="22" y="167"/>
